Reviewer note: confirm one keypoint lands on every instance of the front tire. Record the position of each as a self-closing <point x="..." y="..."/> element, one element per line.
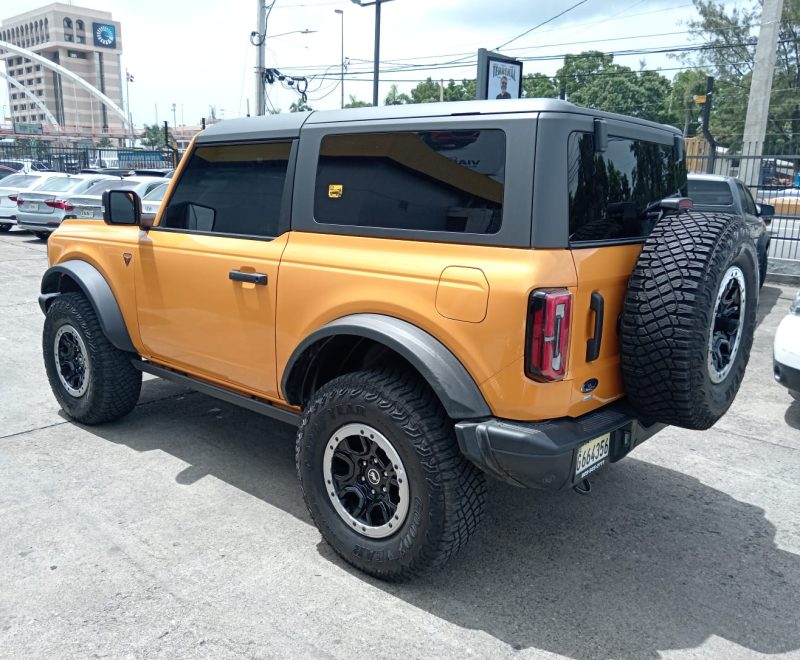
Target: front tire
<point x="383" y="477"/>
<point x="42" y="235"/>
<point x="93" y="380"/>
<point x="5" y="227"/>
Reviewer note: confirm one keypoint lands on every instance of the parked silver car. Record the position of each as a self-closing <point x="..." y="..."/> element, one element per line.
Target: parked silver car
<point x="10" y="187"/>
<point x="42" y="209"/>
<point x="89" y="203"/>
<point x="151" y="202"/>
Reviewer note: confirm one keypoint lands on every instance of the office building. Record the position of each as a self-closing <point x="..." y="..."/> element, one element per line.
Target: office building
<point x="85" y="41"/>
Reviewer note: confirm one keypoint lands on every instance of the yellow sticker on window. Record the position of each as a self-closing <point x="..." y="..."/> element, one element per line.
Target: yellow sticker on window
<point x="335" y="190"/>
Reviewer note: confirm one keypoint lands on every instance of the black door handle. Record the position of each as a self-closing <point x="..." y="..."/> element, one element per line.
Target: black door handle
<point x="252" y="278"/>
<point x="597" y="305"/>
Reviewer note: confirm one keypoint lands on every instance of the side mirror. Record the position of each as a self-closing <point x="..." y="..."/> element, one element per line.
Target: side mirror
<point x="121" y="207"/>
<point x="678" y="149"/>
<point x="765" y="212"/>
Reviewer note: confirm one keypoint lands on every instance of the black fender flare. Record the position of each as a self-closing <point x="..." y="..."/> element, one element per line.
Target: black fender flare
<point x="97" y="291"/>
<point x="449" y="379"/>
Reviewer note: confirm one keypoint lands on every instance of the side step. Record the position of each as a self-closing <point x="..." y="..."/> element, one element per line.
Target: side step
<point x="250" y="402"/>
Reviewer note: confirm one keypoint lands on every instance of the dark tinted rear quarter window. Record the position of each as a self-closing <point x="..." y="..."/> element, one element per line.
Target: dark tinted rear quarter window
<point x="238" y="189"/>
<point x="609" y="191"/>
<point x="441" y="181"/>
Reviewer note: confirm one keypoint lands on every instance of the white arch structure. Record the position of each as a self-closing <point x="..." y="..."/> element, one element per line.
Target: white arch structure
<point x="27" y="93"/>
<point x="68" y="74"/>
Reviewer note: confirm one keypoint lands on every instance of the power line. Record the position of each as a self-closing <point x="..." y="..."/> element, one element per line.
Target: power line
<point x="549" y="20"/>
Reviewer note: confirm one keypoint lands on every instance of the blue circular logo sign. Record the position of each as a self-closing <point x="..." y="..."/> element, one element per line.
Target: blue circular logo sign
<point x="104" y="35"/>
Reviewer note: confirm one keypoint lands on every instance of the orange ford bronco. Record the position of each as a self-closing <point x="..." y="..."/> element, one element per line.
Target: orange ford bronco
<point x="431" y="293"/>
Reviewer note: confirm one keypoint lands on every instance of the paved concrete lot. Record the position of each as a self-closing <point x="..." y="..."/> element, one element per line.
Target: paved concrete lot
<point x="180" y="532"/>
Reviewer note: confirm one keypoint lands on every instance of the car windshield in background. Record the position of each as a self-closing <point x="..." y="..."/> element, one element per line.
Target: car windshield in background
<point x="15" y="165"/>
<point x="19" y="181"/>
<point x="156" y="194"/>
<point x="710" y="193"/>
<point x="115" y="184"/>
<point x="59" y="184"/>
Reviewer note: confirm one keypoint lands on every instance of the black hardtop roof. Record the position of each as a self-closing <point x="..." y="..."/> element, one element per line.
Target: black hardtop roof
<point x="288" y="125"/>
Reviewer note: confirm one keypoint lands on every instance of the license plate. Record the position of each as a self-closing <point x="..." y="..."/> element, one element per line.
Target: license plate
<point x="592" y="455"/>
<point x="87" y="213"/>
<point x="32" y="206"/>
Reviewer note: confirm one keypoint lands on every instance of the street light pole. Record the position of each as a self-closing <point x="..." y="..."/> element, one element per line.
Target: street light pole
<point x="377" y="58"/>
<point x="341" y="61"/>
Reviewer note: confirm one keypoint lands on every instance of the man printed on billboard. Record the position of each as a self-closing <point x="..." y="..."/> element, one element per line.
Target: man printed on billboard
<point x="503" y="89"/>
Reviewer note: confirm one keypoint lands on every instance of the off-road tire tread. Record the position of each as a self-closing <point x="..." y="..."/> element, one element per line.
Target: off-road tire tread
<point x="667" y="313"/>
<point x="117" y="383"/>
<point x="458" y="488"/>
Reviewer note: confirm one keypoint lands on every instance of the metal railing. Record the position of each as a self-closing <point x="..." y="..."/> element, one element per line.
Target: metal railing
<point x="72" y="159"/>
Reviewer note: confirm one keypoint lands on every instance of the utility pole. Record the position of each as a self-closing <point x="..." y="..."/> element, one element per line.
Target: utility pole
<point x="712" y="143"/>
<point x="341" y="61"/>
<point x="377" y="57"/>
<point x="755" y="126"/>
<point x="260" y="36"/>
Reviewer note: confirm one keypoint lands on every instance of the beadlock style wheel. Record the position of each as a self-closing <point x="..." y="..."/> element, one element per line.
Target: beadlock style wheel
<point x="72" y="361"/>
<point x="366" y="480"/>
<point x="725" y="334"/>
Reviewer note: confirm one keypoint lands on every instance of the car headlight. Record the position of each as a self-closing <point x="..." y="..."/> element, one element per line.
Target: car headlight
<point x="794" y="308"/>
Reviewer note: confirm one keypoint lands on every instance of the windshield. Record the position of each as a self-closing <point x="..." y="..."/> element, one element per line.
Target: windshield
<point x="19" y="181"/>
<point x="101" y="186"/>
<point x="710" y="193"/>
<point x="156" y="194"/>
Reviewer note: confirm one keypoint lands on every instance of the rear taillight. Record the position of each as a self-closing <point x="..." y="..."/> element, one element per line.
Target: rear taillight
<point x="547" y="334"/>
<point x="13" y="198"/>
<point x="18" y="200"/>
<point x="62" y="204"/>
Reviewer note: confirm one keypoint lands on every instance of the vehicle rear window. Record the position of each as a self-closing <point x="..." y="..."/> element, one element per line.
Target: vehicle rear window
<point x="156" y="194"/>
<point x="231" y="189"/>
<point x="59" y="184"/>
<point x="609" y="191"/>
<point x="710" y="193"/>
<point x="446" y="181"/>
<point x="19" y="181"/>
<point x="116" y="184"/>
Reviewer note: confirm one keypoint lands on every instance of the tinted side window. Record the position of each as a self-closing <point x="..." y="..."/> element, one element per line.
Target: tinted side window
<point x="710" y="193"/>
<point x="447" y="181"/>
<point x="231" y="189"/>
<point x="747" y="199"/>
<point x="609" y="191"/>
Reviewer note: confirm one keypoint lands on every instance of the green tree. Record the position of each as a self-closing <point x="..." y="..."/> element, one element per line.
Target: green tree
<point x="104" y="142"/>
<point x="153" y="136"/>
<point x="395" y="97"/>
<point x="538" y="86"/>
<point x="355" y="103"/>
<point x="300" y="106"/>
<point x="426" y="92"/>
<point x="593" y="80"/>
<point x="730" y="35"/>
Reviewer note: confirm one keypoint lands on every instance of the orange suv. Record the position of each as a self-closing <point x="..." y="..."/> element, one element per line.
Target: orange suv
<point x="431" y="293"/>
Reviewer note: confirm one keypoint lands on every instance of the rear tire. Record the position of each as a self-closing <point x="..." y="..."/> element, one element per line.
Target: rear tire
<point x="434" y="498"/>
<point x="5" y="227"/>
<point x="42" y="235"/>
<point x="93" y="380"/>
<point x="688" y="319"/>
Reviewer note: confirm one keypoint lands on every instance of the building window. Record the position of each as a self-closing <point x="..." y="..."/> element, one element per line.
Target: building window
<point x="38" y="67"/>
<point x="13" y="97"/>
<point x="68" y="37"/>
<point x="28" y="69"/>
<point x="67" y="23"/>
<point x="80" y="39"/>
<point x="79" y="25"/>
<point x="39" y="92"/>
<point x="76" y="54"/>
<point x="30" y="81"/>
<point x="41" y="117"/>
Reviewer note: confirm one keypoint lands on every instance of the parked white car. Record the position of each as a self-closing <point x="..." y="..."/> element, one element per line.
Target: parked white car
<point x="89" y="203"/>
<point x="10" y="187"/>
<point x="787" y="350"/>
<point x="42" y="209"/>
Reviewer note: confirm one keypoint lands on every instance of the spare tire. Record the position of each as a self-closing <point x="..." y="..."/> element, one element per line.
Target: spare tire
<point x="688" y="319"/>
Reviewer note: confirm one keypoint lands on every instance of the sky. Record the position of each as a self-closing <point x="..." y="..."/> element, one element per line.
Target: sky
<point x="197" y="55"/>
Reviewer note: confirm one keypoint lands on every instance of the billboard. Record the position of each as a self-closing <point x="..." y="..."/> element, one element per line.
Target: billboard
<point x="105" y="35"/>
<point x="499" y="77"/>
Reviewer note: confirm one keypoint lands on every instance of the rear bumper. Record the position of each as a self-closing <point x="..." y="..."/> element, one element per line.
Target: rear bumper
<point x="542" y="454"/>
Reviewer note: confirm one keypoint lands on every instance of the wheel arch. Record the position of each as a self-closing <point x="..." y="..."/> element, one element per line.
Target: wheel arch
<point x="350" y="343"/>
<point x="76" y="275"/>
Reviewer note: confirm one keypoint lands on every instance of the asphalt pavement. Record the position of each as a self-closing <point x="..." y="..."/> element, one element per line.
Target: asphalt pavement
<point x="180" y="531"/>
